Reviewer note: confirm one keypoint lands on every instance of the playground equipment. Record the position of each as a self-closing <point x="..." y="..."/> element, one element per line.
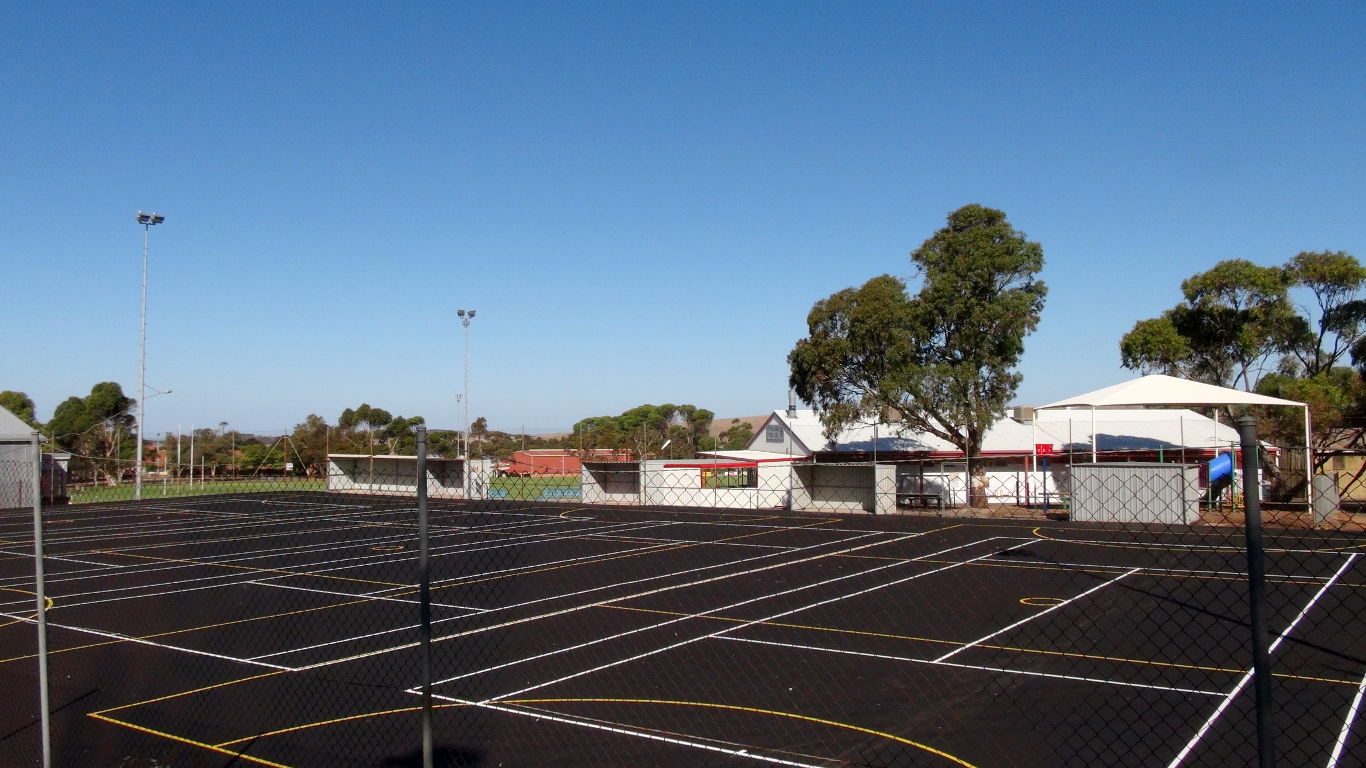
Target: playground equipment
<point x="1220" y="474"/>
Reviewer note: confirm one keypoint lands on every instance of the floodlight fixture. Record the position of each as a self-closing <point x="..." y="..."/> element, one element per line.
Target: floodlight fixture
<point x="148" y="219"/>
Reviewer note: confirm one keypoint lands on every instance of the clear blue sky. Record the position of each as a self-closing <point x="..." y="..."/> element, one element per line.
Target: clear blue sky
<point x="641" y="200"/>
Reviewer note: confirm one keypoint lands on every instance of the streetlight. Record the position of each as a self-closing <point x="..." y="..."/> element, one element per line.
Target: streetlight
<point x="466" y="315"/>
<point x="147" y="220"/>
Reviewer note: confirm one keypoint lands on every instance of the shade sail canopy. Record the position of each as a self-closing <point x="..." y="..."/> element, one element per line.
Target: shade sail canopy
<point x="1158" y="389"/>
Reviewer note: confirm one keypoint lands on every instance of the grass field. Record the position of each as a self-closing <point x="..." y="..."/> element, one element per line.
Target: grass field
<point x="523" y="488"/>
<point x="526" y="488"/>
<point x="101" y="494"/>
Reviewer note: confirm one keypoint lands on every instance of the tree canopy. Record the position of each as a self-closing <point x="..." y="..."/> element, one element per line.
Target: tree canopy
<point x="944" y="359"/>
<point x="92" y="428"/>
<point x="647" y="427"/>
<point x="1238" y="325"/>
<point x="20" y="405"/>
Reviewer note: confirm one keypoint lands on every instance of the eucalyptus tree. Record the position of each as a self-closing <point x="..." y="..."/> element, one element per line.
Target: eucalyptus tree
<point x="945" y="358"/>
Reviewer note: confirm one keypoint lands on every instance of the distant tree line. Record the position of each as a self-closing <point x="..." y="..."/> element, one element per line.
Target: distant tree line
<point x="99" y="431"/>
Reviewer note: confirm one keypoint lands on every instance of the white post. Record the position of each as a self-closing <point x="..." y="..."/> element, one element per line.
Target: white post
<point x="1094" y="438"/>
<point x="1308" y="461"/>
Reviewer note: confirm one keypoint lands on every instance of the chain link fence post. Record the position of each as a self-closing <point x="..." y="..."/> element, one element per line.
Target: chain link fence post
<point x="425" y="594"/>
<point x="1256" y="588"/>
<point x="40" y="598"/>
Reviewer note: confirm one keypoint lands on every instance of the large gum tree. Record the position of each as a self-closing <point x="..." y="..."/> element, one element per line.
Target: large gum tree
<point x="943" y="359"/>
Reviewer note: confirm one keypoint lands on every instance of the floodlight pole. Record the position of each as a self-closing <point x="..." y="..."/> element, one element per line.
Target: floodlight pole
<point x="466" y="315"/>
<point x="147" y="220"/>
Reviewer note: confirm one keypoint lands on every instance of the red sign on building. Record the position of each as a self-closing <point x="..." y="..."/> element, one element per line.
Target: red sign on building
<point x="1043" y="449"/>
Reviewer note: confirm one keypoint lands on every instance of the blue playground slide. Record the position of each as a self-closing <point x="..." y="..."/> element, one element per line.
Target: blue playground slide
<point x="1220" y="473"/>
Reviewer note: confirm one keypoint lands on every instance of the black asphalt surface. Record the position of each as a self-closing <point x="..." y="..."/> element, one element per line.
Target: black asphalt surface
<point x="282" y="629"/>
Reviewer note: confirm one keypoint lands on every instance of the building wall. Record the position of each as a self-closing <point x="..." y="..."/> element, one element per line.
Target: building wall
<point x="398" y="475"/>
<point x="16" y="475"/>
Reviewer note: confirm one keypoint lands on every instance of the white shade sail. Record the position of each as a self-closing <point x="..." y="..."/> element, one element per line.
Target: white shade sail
<point x="1158" y="389"/>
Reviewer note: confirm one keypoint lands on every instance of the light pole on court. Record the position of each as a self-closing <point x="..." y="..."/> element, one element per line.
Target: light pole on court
<point x="466" y="315"/>
<point x="147" y="220"/>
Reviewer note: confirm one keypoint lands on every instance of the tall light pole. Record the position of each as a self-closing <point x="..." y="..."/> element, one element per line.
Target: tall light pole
<point x="147" y="220"/>
<point x="466" y="315"/>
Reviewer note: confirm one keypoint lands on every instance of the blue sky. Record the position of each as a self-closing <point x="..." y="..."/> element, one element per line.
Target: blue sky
<point x="641" y="200"/>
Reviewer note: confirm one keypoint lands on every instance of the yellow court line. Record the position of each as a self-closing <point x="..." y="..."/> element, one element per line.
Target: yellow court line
<point x="249" y="537"/>
<point x="191" y="742"/>
<point x="332" y="721"/>
<point x="1010" y="648"/>
<point x="47" y="605"/>
<point x="248" y="568"/>
<point x="680" y="547"/>
<point x="1145" y="571"/>
<point x="201" y="689"/>
<point x="752" y="710"/>
<point x="1158" y="545"/>
<point x="665" y="702"/>
<point x="186" y="630"/>
<point x="410" y="591"/>
<point x="628" y="555"/>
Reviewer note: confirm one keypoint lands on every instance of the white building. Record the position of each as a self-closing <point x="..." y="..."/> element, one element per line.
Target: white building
<point x="1028" y="454"/>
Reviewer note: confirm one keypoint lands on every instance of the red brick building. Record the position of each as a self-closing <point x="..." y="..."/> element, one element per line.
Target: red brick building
<point x="558" y="461"/>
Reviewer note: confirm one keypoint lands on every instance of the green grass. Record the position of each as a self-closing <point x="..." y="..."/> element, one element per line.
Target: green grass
<point x="155" y="489"/>
<point x="521" y="488"/>
<point x="530" y="488"/>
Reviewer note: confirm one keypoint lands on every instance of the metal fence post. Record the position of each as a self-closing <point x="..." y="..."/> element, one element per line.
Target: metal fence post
<point x="424" y="596"/>
<point x="40" y="595"/>
<point x="1256" y="588"/>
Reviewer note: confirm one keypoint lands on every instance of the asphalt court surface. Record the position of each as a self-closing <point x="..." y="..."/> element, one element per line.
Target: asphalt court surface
<point x="282" y="629"/>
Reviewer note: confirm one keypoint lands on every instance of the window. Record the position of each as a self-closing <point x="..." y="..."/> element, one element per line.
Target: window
<point x="730" y="477"/>
<point x="773" y="433"/>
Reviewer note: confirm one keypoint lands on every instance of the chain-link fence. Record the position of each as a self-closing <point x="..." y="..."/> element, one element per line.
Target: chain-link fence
<point x="415" y="610"/>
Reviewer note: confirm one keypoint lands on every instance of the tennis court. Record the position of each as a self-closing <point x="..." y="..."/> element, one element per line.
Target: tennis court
<point x="282" y="629"/>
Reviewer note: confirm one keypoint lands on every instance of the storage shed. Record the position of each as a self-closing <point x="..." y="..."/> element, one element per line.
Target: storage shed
<point x="1136" y="492"/>
<point x="16" y="462"/>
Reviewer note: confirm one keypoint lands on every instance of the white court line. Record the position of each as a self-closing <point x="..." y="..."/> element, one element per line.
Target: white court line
<point x="250" y="572"/>
<point x="623" y="731"/>
<point x="778" y="615"/>
<point x="272" y="585"/>
<point x="571" y="609"/>
<point x="1044" y="612"/>
<point x="674" y="620"/>
<point x="1159" y="570"/>
<point x="979" y="667"/>
<point x="1341" y="741"/>
<point x="251" y="554"/>
<point x="29" y="555"/>
<point x="1179" y="547"/>
<point x="1190" y="746"/>
<point x="143" y="641"/>
<point x="616" y="585"/>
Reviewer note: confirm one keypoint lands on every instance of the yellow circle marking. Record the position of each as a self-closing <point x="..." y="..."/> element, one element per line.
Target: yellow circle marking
<point x="1041" y="602"/>
<point x="47" y="603"/>
<point x="700" y="704"/>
